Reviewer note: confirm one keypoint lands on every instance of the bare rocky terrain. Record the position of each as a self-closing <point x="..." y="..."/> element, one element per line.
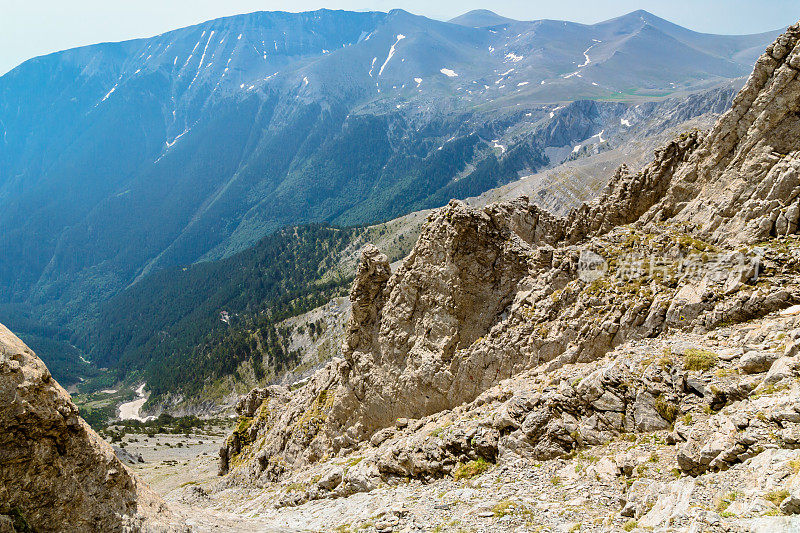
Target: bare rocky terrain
<point x="579" y="178"/>
<point x="635" y="480"/>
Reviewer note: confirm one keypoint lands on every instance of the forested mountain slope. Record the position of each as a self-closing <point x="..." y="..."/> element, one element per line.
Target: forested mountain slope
<point x="121" y="158"/>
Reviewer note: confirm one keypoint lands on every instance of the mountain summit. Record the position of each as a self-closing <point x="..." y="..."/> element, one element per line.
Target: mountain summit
<point x="480" y="18"/>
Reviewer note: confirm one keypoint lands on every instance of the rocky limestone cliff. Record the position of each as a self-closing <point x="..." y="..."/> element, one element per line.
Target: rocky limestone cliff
<point x="490" y="294"/>
<point x="56" y="474"/>
<point x="740" y="183"/>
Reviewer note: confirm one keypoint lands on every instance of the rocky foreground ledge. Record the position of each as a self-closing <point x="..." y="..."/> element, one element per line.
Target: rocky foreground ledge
<point x="56" y="474"/>
<point x="683" y="432"/>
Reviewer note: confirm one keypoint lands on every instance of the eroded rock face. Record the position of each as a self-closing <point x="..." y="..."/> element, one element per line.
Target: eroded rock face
<point x="487" y="294"/>
<point x="742" y="183"/>
<point x="56" y="474"/>
<point x="463" y="274"/>
<point x="367" y="297"/>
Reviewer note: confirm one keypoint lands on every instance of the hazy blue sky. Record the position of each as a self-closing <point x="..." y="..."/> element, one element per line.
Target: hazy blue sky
<point x="34" y="27"/>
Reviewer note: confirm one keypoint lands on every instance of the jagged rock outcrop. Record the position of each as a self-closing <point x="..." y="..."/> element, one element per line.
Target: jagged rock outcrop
<point x="56" y="474"/>
<point x="257" y="411"/>
<point x="488" y="294"/>
<point x="367" y="297"/>
<point x="629" y="196"/>
<point x="461" y="276"/>
<point x="741" y="183"/>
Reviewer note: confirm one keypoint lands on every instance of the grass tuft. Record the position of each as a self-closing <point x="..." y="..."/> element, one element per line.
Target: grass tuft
<point x="667" y="409"/>
<point x="776" y="496"/>
<point x="697" y="359"/>
<point x="471" y="469"/>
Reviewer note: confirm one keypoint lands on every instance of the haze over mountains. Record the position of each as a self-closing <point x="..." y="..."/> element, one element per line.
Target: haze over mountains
<point x="120" y="159"/>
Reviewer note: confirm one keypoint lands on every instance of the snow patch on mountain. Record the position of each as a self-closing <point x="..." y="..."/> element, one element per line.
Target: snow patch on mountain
<point x="400" y="37"/>
<point x="586" y="55"/>
<point x="109" y="93"/>
<point x="496" y="144"/>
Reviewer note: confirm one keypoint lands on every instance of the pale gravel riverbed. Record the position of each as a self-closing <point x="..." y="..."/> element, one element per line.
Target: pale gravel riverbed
<point x="131" y="410"/>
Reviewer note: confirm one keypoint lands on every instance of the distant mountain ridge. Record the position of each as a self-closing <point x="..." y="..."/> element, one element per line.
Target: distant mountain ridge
<point x="121" y="159"/>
